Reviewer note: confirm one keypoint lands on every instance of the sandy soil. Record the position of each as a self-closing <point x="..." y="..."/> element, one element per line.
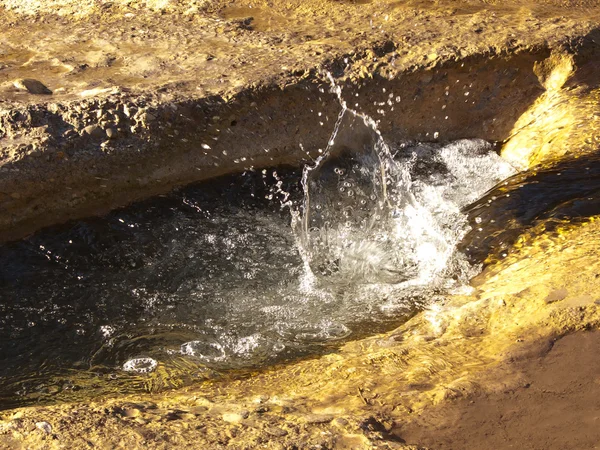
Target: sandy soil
<point x="556" y="407"/>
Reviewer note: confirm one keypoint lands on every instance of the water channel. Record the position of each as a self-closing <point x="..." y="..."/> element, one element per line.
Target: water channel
<point x="265" y="266"/>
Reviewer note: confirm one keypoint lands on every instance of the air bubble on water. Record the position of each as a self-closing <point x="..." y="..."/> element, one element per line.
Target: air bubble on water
<point x="140" y="365"/>
<point x="205" y="350"/>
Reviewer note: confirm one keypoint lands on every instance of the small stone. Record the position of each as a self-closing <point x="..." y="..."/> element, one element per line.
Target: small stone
<point x="340" y="421"/>
<point x="15" y="195"/>
<point x="53" y="390"/>
<point x="557" y="295"/>
<point x="146" y="405"/>
<point x="146" y="117"/>
<point x="132" y="412"/>
<point x="93" y="130"/>
<point x="198" y="410"/>
<point x="232" y="417"/>
<point x="318" y="418"/>
<point x="173" y="415"/>
<point x="32" y="86"/>
<point x="276" y="431"/>
<point x="44" y="426"/>
<point x="111" y="133"/>
<point x="261" y="409"/>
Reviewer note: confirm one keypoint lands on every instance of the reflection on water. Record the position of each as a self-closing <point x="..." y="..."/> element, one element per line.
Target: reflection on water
<point x="567" y="192"/>
<point x="184" y="286"/>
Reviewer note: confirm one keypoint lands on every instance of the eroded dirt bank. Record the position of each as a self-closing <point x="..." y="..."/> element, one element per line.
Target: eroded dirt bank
<point x="147" y="96"/>
<point x="555" y="407"/>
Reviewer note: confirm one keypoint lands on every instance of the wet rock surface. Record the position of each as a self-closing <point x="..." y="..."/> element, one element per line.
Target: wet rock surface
<point x="499" y="346"/>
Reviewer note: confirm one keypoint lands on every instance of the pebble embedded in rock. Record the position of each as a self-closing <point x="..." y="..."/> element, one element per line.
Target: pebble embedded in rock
<point x="340" y="421"/>
<point x="111" y="133"/>
<point x="93" y="130"/>
<point x="276" y="431"/>
<point x="318" y="418"/>
<point x="556" y="295"/>
<point x="32" y="86"/>
<point x="132" y="412"/>
<point x="44" y="426"/>
<point x="198" y="410"/>
<point x="232" y="417"/>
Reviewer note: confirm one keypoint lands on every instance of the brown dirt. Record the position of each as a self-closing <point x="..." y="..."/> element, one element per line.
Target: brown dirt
<point x="556" y="407"/>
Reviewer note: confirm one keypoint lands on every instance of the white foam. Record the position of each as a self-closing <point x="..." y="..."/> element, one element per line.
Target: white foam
<point x="140" y="365"/>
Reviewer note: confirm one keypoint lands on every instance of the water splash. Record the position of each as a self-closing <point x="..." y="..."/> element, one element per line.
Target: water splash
<point x="369" y="217"/>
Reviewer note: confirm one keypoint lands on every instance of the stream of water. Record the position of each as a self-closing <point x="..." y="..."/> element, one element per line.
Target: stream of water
<point x="240" y="272"/>
<point x="257" y="268"/>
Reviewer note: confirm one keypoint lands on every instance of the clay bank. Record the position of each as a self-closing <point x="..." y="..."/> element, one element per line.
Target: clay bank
<point x="110" y="104"/>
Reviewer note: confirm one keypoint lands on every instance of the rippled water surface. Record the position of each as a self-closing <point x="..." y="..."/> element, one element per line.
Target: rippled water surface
<point x="544" y="200"/>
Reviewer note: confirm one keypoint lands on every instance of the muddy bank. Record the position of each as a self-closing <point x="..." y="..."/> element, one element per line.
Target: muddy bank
<point x="147" y="96"/>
